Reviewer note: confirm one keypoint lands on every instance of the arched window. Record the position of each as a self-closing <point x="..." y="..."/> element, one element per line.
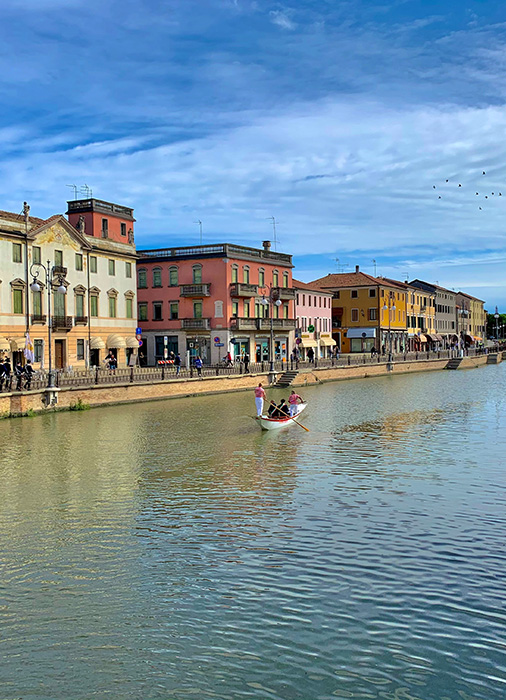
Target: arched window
<point x="173" y="276"/>
<point x="157" y="277"/>
<point x="142" y="278"/>
<point x="234" y="274"/>
<point x="285" y="279"/>
<point x="245" y="274"/>
<point x="275" y="278"/>
<point x="197" y="274"/>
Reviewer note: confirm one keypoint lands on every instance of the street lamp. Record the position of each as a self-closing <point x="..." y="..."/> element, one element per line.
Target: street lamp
<point x="273" y="298"/>
<point x="496" y="316"/>
<point x="50" y="272"/>
<point x="390" y="306"/>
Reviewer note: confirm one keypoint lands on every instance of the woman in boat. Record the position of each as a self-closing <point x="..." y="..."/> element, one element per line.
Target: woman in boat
<point x="293" y="400"/>
<point x="282" y="410"/>
<point x="272" y="409"/>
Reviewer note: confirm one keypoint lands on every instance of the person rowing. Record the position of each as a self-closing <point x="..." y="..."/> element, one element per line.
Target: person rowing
<point x="282" y="410"/>
<point x="294" y="399"/>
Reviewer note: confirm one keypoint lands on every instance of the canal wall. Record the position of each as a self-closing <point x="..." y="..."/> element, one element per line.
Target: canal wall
<point x="27" y="403"/>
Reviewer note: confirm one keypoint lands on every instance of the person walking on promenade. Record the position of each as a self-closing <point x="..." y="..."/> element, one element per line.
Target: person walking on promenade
<point x="246" y="363"/>
<point x="230" y="362"/>
<point x="5" y="374"/>
<point x="198" y="365"/>
<point x="310" y="355"/>
<point x="177" y="364"/>
<point x="293" y="400"/>
<point x="18" y="373"/>
<point x="29" y="375"/>
<point x="111" y="362"/>
<point x="260" y="397"/>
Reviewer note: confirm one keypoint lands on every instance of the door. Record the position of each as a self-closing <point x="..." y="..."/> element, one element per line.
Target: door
<point x="59" y="354"/>
<point x="94" y="358"/>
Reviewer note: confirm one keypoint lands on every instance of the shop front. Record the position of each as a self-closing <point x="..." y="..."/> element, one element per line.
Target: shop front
<point x="262" y="349"/>
<point x="327" y="345"/>
<point x="199" y="346"/>
<point x="308" y="347"/>
<point x="362" y="339"/>
<point x="240" y="346"/>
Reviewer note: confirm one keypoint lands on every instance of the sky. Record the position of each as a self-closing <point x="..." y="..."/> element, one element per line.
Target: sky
<point x="363" y="126"/>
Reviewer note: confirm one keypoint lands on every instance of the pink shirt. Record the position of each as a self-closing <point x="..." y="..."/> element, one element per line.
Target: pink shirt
<point x="293" y="398"/>
<point x="260" y="393"/>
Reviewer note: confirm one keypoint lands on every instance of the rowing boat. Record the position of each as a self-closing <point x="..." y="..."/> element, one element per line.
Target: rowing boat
<point x="275" y="423"/>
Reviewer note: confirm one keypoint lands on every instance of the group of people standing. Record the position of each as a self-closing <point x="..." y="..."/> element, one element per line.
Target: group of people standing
<point x="281" y="410"/>
<point x="21" y="372"/>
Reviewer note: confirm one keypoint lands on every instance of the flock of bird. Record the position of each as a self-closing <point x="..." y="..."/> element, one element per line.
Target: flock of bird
<point x="477" y="194"/>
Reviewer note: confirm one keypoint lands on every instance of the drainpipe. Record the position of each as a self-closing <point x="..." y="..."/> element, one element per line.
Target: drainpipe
<point x="26" y="213"/>
<point x="88" y="362"/>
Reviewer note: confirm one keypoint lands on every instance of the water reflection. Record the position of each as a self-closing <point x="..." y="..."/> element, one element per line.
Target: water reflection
<point x="174" y="550"/>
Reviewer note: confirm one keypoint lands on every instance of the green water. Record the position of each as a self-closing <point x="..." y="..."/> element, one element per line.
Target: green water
<point x="172" y="550"/>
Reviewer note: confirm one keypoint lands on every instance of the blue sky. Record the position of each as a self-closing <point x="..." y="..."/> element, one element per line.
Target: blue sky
<point x="338" y="118"/>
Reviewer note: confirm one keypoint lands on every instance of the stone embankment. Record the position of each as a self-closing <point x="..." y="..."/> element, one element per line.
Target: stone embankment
<point x="26" y="403"/>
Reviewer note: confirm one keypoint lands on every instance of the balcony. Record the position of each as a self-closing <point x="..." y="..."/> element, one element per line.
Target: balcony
<point x="195" y="290"/>
<point x="81" y="320"/>
<point x="38" y="318"/>
<point x="284" y="293"/>
<point x="62" y="323"/>
<point x="59" y="270"/>
<point x="195" y="324"/>
<point x="261" y="324"/>
<point x="240" y="289"/>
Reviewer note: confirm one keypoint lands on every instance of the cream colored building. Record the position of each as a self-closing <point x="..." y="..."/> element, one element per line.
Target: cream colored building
<point x="96" y="313"/>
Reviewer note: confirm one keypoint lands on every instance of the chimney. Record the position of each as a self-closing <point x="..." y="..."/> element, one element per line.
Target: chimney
<point x="266" y="245"/>
<point x="357" y="268"/>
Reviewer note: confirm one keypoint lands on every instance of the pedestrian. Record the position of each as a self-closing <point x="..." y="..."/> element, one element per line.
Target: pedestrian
<point x="310" y="355"/>
<point x="18" y="373"/>
<point x="260" y="396"/>
<point x="111" y="362"/>
<point x="177" y="363"/>
<point x="29" y="375"/>
<point x="230" y="362"/>
<point x="246" y="363"/>
<point x="383" y="349"/>
<point x="373" y="351"/>
<point x="293" y="400"/>
<point x="198" y="365"/>
<point x="5" y="373"/>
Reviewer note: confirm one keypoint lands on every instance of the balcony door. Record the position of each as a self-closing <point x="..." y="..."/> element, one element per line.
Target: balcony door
<point x="59" y="304"/>
<point x="59" y="353"/>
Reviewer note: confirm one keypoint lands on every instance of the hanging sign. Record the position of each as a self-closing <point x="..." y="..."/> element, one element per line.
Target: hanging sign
<point x="310" y="328"/>
<point x="138" y="331"/>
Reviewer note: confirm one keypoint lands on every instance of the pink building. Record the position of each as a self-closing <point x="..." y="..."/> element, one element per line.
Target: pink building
<point x="313" y="311"/>
<point x="207" y="300"/>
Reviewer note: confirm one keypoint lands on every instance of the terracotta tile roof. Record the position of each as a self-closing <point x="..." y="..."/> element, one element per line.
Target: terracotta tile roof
<point x="394" y="283"/>
<point x="11" y="216"/>
<point x="297" y="284"/>
<point x="470" y="296"/>
<point x="345" y="279"/>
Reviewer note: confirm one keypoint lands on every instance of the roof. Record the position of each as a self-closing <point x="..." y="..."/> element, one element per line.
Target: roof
<point x="394" y="283"/>
<point x="470" y="296"/>
<point x="432" y="285"/>
<point x="11" y="216"/>
<point x="297" y="284"/>
<point x="345" y="279"/>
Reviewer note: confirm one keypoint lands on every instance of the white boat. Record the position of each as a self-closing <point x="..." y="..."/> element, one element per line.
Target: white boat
<point x="275" y="423"/>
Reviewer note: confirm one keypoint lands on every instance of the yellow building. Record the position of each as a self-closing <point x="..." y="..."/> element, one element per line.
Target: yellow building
<point x="367" y="311"/>
<point x="471" y="322"/>
<point x="420" y="317"/>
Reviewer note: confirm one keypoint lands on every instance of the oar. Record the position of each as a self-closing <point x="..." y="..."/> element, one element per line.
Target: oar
<point x="296" y="421"/>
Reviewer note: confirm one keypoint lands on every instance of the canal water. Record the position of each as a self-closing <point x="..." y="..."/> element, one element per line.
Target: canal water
<point x="172" y="550"/>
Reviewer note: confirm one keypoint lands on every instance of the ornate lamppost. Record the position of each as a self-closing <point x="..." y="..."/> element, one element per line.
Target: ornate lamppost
<point x="50" y="273"/>
<point x="389" y="306"/>
<point x="271" y="300"/>
<point x="496" y="316"/>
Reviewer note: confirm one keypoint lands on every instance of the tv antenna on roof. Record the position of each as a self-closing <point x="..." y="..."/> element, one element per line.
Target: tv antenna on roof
<point x="273" y="219"/>
<point x="87" y="191"/>
<point x="74" y="187"/>
<point x="341" y="267"/>
<point x="199" y="222"/>
<point x="374" y="263"/>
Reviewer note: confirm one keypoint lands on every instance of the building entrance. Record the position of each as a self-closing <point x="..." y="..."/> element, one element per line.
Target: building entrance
<point x="59" y="354"/>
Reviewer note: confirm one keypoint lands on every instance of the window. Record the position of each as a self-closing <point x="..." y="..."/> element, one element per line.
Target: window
<point x="157" y="311"/>
<point x="197" y="275"/>
<point x="17" y="301"/>
<point x="197" y="309"/>
<point x="173" y="277"/>
<point x="314" y="301"/>
<point x="80" y="305"/>
<point x="234" y="274"/>
<point x="36" y="257"/>
<point x="245" y="274"/>
<point x="58" y="258"/>
<point x="285" y="279"/>
<point x="319" y="301"/>
<point x="275" y="278"/>
<point x="261" y="278"/>
<point x="105" y="228"/>
<point x="303" y="299"/>
<point x="38" y="346"/>
<point x="372" y="292"/>
<point x="373" y="314"/>
<point x="142" y="279"/>
<point x="285" y="310"/>
<point x="93" y="263"/>
<point x="157" y="277"/>
<point x="276" y="311"/>
<point x="309" y="300"/>
<point x="246" y="309"/>
<point x="79" y="262"/>
<point x="128" y="269"/>
<point x="129" y="307"/>
<point x="354" y="294"/>
<point x="17" y="253"/>
<point x="354" y="315"/>
<point x="174" y="311"/>
<point x="37" y="303"/>
<point x="112" y="267"/>
<point x="94" y="305"/>
<point x="336" y="295"/>
<point x="235" y="308"/>
<point x="112" y="307"/>
<point x="142" y="309"/>
<point x="80" y="349"/>
<point x="123" y="229"/>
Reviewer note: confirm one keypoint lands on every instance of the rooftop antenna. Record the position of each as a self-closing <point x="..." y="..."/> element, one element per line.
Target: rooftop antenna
<point x="199" y="222"/>
<point x="374" y="263"/>
<point x="273" y="219"/>
<point x="341" y="267"/>
<point x="74" y="187"/>
<point x="87" y="191"/>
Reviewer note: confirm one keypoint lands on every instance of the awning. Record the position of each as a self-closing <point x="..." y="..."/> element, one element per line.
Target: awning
<point x="5" y="346"/>
<point x="132" y="342"/>
<point x="422" y="338"/>
<point x="328" y="341"/>
<point x="361" y="333"/>
<point x="432" y="338"/>
<point x="478" y="340"/>
<point x="97" y="344"/>
<point x="308" y="343"/>
<point x="116" y="341"/>
<point x="468" y="337"/>
<point x="18" y="344"/>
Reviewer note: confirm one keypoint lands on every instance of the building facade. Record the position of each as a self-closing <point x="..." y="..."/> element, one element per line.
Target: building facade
<point x="313" y="312"/>
<point x="420" y="317"/>
<point x="445" y="316"/>
<point x="91" y="301"/>
<point x="470" y="319"/>
<point x="210" y="300"/>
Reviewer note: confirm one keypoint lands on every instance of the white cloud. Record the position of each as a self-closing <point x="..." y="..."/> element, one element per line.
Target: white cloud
<point x="281" y="19"/>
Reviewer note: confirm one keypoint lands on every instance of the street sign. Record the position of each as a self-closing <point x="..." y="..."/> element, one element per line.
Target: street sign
<point x="165" y="353"/>
<point x="310" y="328"/>
<point x="138" y="336"/>
<point x="219" y="345"/>
<point x="138" y="331"/>
<point x="140" y="343"/>
<point x="165" y="339"/>
<point x="217" y="339"/>
<point x="298" y="340"/>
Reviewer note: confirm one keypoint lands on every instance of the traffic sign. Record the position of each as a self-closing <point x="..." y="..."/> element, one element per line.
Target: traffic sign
<point x="217" y="339"/>
<point x="165" y="339"/>
<point x="138" y="336"/>
<point x="138" y="331"/>
<point x="140" y="343"/>
<point x="219" y="345"/>
<point x="298" y="340"/>
<point x="310" y="328"/>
